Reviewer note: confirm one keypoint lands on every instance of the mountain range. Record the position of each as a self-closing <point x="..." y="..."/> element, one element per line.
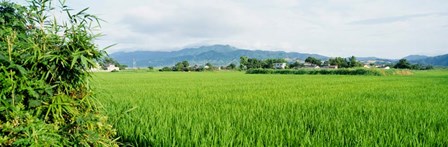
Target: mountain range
<point x="226" y="54"/>
<point x="441" y="60"/>
<point x="215" y="54"/>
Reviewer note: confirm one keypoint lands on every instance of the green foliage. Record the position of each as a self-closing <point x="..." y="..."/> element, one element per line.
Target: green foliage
<point x="186" y="64"/>
<point x="253" y="63"/>
<point x="166" y="69"/>
<point x="46" y="99"/>
<point x="269" y="63"/>
<point x="313" y="60"/>
<point x="353" y="62"/>
<point x="182" y="66"/>
<point x="296" y="65"/>
<point x="231" y="66"/>
<point x="237" y="109"/>
<point x="374" y="72"/>
<point x="243" y="62"/>
<point x="421" y="67"/>
<point x="345" y="62"/>
<point x="403" y="64"/>
<point x="339" y="61"/>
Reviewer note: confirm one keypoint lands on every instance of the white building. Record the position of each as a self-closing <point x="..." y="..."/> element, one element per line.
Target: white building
<point x="112" y="67"/>
<point x="279" y="65"/>
<point x="331" y="67"/>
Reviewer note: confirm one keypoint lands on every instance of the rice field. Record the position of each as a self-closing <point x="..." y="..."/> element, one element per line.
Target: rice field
<point x="237" y="109"/>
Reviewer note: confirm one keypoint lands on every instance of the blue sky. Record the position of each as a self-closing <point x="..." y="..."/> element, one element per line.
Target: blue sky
<point x="382" y="28"/>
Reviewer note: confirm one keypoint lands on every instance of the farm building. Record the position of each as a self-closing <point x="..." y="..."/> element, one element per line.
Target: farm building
<point x="331" y="67"/>
<point x="309" y="65"/>
<point x="112" y="67"/>
<point x="279" y="65"/>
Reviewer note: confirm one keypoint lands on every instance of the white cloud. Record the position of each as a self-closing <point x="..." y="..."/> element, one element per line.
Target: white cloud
<point x="383" y="28"/>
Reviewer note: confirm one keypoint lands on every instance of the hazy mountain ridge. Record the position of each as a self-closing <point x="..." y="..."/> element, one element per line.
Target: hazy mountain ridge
<point x="415" y="57"/>
<point x="441" y="60"/>
<point x="226" y="54"/>
<point x="215" y="54"/>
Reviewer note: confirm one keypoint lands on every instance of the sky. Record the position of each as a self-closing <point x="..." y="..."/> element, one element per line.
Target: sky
<point x="381" y="28"/>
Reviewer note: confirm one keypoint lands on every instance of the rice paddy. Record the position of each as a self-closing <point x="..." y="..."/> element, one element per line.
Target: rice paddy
<point x="237" y="109"/>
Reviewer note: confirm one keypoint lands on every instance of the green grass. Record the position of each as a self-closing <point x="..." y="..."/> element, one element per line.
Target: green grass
<point x="237" y="109"/>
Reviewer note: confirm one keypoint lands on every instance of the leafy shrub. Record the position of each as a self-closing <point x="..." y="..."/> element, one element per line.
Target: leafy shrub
<point x="45" y="98"/>
<point x="359" y="71"/>
<point x="166" y="69"/>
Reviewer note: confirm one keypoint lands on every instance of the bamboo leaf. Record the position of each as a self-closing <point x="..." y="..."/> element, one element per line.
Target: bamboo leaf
<point x="34" y="103"/>
<point x="2" y="58"/>
<point x="82" y="11"/>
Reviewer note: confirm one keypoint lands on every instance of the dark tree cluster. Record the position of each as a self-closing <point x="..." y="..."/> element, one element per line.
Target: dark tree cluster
<point x="251" y="63"/>
<point x="345" y="62"/>
<point x="404" y="64"/>
<point x="185" y="66"/>
<point x="313" y="60"/>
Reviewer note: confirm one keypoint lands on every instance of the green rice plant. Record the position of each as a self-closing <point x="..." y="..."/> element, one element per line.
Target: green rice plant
<point x="237" y="109"/>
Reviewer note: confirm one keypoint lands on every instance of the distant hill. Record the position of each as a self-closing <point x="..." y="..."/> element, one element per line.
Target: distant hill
<point x="441" y="60"/>
<point x="215" y="54"/>
<point x="376" y="60"/>
<point x="226" y="54"/>
<point x="415" y="57"/>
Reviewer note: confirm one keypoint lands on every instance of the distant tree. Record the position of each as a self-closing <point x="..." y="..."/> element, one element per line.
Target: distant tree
<point x="166" y="69"/>
<point x="269" y="63"/>
<point x="326" y="63"/>
<point x="353" y="62"/>
<point x="296" y="65"/>
<point x="122" y="66"/>
<point x="339" y="61"/>
<point x="313" y="60"/>
<point x="254" y="63"/>
<point x="428" y="67"/>
<point x="403" y="64"/>
<point x="243" y="62"/>
<point x="150" y="68"/>
<point x="182" y="66"/>
<point x="178" y="66"/>
<point x="231" y="66"/>
<point x="209" y="65"/>
<point x="421" y="67"/>
<point x="186" y="64"/>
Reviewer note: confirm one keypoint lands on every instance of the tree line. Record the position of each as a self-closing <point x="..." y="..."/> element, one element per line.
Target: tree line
<point x="404" y="64"/>
<point x="351" y="62"/>
<point x="254" y="63"/>
<point x="185" y="66"/>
